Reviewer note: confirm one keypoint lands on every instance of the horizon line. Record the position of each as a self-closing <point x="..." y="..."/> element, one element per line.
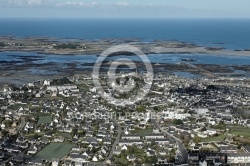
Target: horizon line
<point x="136" y="18"/>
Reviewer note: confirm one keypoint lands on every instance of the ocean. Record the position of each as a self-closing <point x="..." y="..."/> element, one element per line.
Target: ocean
<point x="227" y="33"/>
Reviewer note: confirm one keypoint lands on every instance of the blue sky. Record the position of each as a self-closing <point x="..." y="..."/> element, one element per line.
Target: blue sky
<point x="124" y="9"/>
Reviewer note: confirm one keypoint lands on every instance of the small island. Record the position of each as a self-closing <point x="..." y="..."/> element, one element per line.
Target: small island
<point x="48" y="45"/>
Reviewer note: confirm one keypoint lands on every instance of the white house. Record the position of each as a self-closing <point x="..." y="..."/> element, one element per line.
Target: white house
<point x="211" y="132"/>
<point x="31" y="84"/>
<point x="202" y="134"/>
<point x="201" y="110"/>
<point x="236" y="158"/>
<point x="131" y="137"/>
<point x="55" y="162"/>
<point x="46" y="82"/>
<point x="175" y="115"/>
<point x="155" y="136"/>
<point x="95" y="159"/>
<point x="130" y="142"/>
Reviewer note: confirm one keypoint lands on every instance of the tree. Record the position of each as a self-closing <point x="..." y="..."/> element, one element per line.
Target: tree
<point x="61" y="81"/>
<point x="153" y="143"/>
<point x="140" y="108"/>
<point x="66" y="46"/>
<point x="2" y="44"/>
<point x="197" y="139"/>
<point x="1" y="118"/>
<point x="177" y="121"/>
<point x="171" y="159"/>
<point x="4" y="132"/>
<point x="35" y="136"/>
<point x="14" y="88"/>
<point x="14" y="137"/>
<point x="152" y="159"/>
<point x="203" y="129"/>
<point x="74" y="131"/>
<point x="122" y="161"/>
<point x="24" y="88"/>
<point x="156" y="108"/>
<point x="7" y="123"/>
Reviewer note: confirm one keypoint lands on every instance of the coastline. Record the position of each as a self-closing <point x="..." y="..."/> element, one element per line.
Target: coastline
<point x="47" y="45"/>
<point x="25" y="68"/>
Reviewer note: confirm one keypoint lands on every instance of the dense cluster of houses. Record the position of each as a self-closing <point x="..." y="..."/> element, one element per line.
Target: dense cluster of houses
<point x="185" y="108"/>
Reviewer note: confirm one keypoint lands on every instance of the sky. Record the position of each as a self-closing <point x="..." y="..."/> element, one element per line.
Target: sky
<point x="124" y="9"/>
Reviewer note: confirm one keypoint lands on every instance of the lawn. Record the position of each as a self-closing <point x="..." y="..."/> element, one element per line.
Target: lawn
<point x="44" y="120"/>
<point x="16" y="106"/>
<point x="54" y="150"/>
<point x="65" y="135"/>
<point x="239" y="130"/>
<point x="216" y="138"/>
<point x="83" y="87"/>
<point x="142" y="132"/>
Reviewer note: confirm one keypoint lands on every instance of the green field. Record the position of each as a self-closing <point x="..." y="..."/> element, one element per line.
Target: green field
<point x="217" y="138"/>
<point x="241" y="131"/>
<point x="142" y="132"/>
<point x="65" y="135"/>
<point x="44" y="120"/>
<point x="54" y="150"/>
<point x="16" y="106"/>
<point x="83" y="87"/>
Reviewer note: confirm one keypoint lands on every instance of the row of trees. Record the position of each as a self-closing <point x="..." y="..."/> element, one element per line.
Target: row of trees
<point x="61" y="81"/>
<point x="2" y="44"/>
<point x="138" y="153"/>
<point x="66" y="46"/>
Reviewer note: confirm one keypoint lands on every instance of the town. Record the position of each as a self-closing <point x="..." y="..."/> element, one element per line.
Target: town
<point x="181" y="121"/>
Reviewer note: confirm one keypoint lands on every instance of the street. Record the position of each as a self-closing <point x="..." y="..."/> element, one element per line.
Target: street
<point x="184" y="154"/>
<point x="119" y="131"/>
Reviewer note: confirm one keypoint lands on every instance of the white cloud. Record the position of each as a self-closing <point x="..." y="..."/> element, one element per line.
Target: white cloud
<point x="70" y="3"/>
<point x="122" y="4"/>
<point x="12" y="2"/>
<point x="24" y="3"/>
<point x="73" y="4"/>
<point x="35" y="2"/>
<point x="76" y="4"/>
<point x="94" y="3"/>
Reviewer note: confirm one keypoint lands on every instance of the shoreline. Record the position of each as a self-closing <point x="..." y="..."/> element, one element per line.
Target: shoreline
<point x="53" y="46"/>
<point x="13" y="72"/>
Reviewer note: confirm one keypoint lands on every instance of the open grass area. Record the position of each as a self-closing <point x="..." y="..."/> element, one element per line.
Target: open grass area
<point x="54" y="150"/>
<point x="83" y="87"/>
<point x="16" y="106"/>
<point x="142" y="132"/>
<point x="44" y="120"/>
<point x="216" y="138"/>
<point x="65" y="135"/>
<point x="240" y="131"/>
<point x="242" y="140"/>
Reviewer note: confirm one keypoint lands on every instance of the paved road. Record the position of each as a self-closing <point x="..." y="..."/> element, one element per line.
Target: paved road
<point x="119" y="131"/>
<point x="12" y="155"/>
<point x="184" y="154"/>
<point x="22" y="124"/>
<point x="19" y="128"/>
